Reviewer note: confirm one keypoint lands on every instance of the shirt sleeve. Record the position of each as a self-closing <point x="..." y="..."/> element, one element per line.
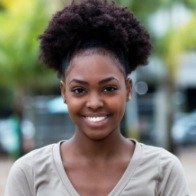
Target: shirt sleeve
<point x="18" y="182"/>
<point x="172" y="180"/>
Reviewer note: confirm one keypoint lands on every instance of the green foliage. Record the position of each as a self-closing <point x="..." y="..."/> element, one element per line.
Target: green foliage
<point x="190" y="4"/>
<point x="189" y="34"/>
<point x="177" y="41"/>
<point x="6" y="101"/>
<point x="144" y="9"/>
<point x="21" y="23"/>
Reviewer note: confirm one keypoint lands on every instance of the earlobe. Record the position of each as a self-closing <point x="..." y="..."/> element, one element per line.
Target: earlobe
<point x="63" y="90"/>
<point x="129" y="88"/>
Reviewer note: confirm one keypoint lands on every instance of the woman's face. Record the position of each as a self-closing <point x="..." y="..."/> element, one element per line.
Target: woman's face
<point x="96" y="92"/>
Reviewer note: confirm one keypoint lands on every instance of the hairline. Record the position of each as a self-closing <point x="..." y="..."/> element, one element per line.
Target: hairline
<point x="91" y="51"/>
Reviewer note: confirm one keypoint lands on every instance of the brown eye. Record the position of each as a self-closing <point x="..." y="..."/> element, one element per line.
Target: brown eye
<point x="110" y="89"/>
<point x="78" y="91"/>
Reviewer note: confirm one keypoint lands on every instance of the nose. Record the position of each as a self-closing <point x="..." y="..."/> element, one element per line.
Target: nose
<point x="94" y="101"/>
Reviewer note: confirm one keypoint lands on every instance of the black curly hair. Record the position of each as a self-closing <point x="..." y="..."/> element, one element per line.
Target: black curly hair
<point x="94" y="24"/>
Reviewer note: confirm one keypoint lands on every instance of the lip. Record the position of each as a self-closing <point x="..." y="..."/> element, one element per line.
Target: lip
<point x="95" y="114"/>
<point x="96" y="120"/>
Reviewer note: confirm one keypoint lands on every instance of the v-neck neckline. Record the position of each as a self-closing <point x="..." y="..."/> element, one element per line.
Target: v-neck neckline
<point x="118" y="188"/>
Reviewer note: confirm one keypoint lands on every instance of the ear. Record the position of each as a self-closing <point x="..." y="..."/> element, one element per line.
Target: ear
<point x="129" y="88"/>
<point x="63" y="90"/>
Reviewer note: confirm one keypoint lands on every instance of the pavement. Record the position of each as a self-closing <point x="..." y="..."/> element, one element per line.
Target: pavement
<point x="5" y="165"/>
<point x="187" y="155"/>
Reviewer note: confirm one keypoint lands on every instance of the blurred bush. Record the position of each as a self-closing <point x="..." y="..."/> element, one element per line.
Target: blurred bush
<point x="20" y="71"/>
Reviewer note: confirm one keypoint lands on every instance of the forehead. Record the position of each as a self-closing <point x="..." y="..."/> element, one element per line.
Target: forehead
<point x="94" y="58"/>
<point x="90" y="66"/>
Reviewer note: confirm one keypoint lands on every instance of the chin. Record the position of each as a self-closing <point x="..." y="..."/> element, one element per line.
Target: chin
<point x="99" y="135"/>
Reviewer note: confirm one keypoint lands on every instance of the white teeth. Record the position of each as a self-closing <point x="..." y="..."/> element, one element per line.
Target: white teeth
<point x="96" y="119"/>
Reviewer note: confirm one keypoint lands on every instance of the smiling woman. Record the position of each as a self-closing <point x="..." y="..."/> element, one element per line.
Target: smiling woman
<point x="94" y="45"/>
<point x="96" y="102"/>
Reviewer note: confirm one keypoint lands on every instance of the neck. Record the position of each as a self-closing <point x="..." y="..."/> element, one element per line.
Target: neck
<point x="103" y="149"/>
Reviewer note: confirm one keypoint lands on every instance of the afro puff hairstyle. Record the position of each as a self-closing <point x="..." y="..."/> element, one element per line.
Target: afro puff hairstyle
<point x="94" y="23"/>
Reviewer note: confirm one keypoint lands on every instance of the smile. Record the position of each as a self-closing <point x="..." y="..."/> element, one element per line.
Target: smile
<point x="96" y="118"/>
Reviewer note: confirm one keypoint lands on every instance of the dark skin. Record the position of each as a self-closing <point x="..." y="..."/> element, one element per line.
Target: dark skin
<point x="96" y="157"/>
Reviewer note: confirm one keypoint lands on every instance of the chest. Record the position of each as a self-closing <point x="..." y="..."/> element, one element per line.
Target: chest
<point x="95" y="179"/>
<point x="112" y="180"/>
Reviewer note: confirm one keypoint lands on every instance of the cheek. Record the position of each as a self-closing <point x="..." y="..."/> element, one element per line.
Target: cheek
<point x="73" y="105"/>
<point x="73" y="109"/>
<point x="117" y="103"/>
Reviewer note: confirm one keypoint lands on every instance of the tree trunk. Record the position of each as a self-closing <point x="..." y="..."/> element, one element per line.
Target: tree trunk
<point x="170" y="113"/>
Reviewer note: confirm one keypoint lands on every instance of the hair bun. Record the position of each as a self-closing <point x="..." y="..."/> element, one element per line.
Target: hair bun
<point x="94" y="19"/>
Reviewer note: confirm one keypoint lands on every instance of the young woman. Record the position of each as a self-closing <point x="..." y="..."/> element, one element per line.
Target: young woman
<point x="94" y="45"/>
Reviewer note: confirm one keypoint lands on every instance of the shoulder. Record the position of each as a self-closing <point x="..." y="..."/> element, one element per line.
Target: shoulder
<point x="157" y="155"/>
<point x="163" y="156"/>
<point x="36" y="156"/>
<point x="30" y="163"/>
<point x="167" y="162"/>
<point x="21" y="176"/>
<point x="156" y="159"/>
<point x="171" y="179"/>
<point x="159" y="159"/>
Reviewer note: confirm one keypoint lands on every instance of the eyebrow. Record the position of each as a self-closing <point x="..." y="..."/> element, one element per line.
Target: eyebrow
<point x="78" y="81"/>
<point x="108" y="80"/>
<point x="105" y="80"/>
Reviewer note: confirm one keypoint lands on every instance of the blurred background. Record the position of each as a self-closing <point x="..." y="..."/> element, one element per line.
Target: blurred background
<point x="162" y="111"/>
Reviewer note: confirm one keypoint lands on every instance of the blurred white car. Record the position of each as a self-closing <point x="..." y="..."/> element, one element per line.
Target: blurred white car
<point x="184" y="130"/>
<point x="10" y="141"/>
<point x="9" y="138"/>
